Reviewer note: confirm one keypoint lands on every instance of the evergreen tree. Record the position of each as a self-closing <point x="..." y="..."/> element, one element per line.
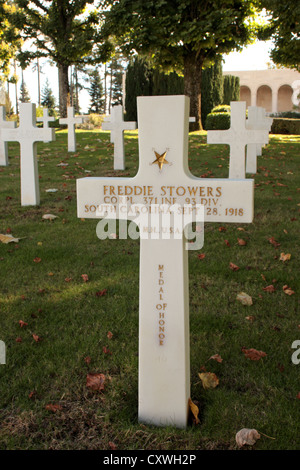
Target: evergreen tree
<point x="138" y="83"/>
<point x="48" y="99"/>
<point x="231" y="86"/>
<point x="211" y="89"/>
<point x="25" y="97"/>
<point x="96" y="93"/>
<point x="116" y="77"/>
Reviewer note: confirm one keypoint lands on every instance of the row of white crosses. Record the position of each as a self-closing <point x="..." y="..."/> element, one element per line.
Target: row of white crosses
<point x="28" y="134"/>
<point x="164" y="357"/>
<point x="252" y="133"/>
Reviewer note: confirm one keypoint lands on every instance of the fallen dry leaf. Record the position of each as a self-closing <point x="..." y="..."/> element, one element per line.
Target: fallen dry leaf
<point x="253" y="354"/>
<point x="22" y="323"/>
<point x="109" y="335"/>
<point x="287" y="290"/>
<point x="216" y="357"/>
<point x="49" y="217"/>
<point x="246" y="437"/>
<point x="201" y="256"/>
<point x="269" y="288"/>
<point x="241" y="242"/>
<point x="273" y="242"/>
<point x="8" y="238"/>
<point x="195" y="411"/>
<point x="36" y="338"/>
<point x="244" y="298"/>
<point x="227" y="242"/>
<point x="101" y="293"/>
<point x="85" y="277"/>
<point x="285" y="257"/>
<point x="53" y="408"/>
<point x="95" y="381"/>
<point x="209" y="380"/>
<point x="37" y="260"/>
<point x="233" y="267"/>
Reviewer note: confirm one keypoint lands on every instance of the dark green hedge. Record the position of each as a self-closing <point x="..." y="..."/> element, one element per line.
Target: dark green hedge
<point x="217" y="121"/>
<point x="285" y="126"/>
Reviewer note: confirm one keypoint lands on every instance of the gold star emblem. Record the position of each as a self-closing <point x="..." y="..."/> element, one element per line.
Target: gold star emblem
<point x="160" y="159"/>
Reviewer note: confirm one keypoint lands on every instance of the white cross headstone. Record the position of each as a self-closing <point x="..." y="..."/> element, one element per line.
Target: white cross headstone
<point x="3" y="145"/>
<point x="28" y="134"/>
<point x="70" y="121"/>
<point x="45" y="119"/>
<point x="257" y="119"/>
<point x="163" y="178"/>
<point x="116" y="124"/>
<point x="237" y="137"/>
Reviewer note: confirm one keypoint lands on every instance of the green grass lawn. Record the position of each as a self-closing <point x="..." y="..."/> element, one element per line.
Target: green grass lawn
<point x="75" y="327"/>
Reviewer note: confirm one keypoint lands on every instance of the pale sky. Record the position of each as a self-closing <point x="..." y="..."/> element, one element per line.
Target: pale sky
<point x="253" y="57"/>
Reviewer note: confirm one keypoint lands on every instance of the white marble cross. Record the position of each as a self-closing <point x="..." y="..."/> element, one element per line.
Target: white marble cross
<point x="28" y="134"/>
<point x="45" y="119"/>
<point x="116" y="124"/>
<point x="237" y="137"/>
<point x="257" y="119"/>
<point x="3" y="145"/>
<point x="164" y="179"/>
<point x="70" y="121"/>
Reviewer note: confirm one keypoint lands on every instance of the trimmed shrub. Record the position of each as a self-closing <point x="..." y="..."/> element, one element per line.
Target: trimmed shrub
<point x="231" y="87"/>
<point x="285" y="126"/>
<point x="217" y="121"/>
<point x="222" y="108"/>
<point x="211" y="89"/>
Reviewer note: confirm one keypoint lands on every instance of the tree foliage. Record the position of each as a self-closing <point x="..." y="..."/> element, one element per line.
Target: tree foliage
<point x="48" y="98"/>
<point x="9" y="38"/>
<point x="284" y="29"/>
<point x="96" y="93"/>
<point x="63" y="31"/>
<point x="211" y="88"/>
<point x="231" y="89"/>
<point x="182" y="35"/>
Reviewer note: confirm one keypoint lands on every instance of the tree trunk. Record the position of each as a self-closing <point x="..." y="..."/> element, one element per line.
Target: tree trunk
<point x="64" y="89"/>
<point x="192" y="87"/>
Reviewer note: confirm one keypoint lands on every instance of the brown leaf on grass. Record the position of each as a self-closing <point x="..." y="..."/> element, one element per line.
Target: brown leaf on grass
<point x="209" y="380"/>
<point x="53" y="408"/>
<point x="217" y="358"/>
<point x="241" y="242"/>
<point x="36" y="338"/>
<point x="109" y="335"/>
<point x="285" y="257"/>
<point x="106" y="350"/>
<point x="8" y="238"/>
<point x="95" y="381"/>
<point x="22" y="323"/>
<point x="253" y="354"/>
<point x="37" y="260"/>
<point x="298" y="396"/>
<point x="222" y="229"/>
<point x="18" y="339"/>
<point x="227" y="242"/>
<point x="85" y="277"/>
<point x="244" y="298"/>
<point x="201" y="256"/>
<point x="87" y="360"/>
<point x="250" y="318"/>
<point x="68" y="279"/>
<point x="269" y="288"/>
<point x="246" y="437"/>
<point x="273" y="242"/>
<point x="101" y="293"/>
<point x="233" y="267"/>
<point x="195" y="411"/>
<point x="287" y="290"/>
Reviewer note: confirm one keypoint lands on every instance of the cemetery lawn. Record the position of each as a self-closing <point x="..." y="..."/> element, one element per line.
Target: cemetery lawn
<point x="78" y="297"/>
